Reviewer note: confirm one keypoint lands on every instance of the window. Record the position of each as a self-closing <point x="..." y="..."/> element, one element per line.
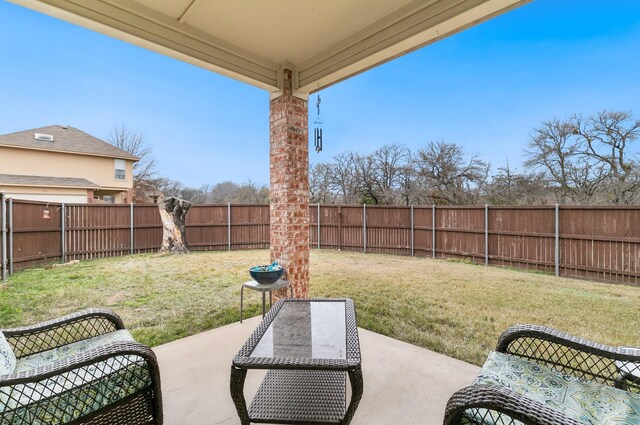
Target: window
<point x="108" y="199"/>
<point x="120" y="169"/>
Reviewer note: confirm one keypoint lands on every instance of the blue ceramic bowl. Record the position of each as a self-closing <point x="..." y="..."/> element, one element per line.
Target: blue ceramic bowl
<point x="265" y="277"/>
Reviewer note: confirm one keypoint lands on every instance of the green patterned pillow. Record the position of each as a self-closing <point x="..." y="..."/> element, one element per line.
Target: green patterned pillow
<point x="46" y="358"/>
<point x="7" y="358"/>
<point x="587" y="402"/>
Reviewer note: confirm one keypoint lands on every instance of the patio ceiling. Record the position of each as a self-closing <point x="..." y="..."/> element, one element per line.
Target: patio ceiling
<point x="322" y="42"/>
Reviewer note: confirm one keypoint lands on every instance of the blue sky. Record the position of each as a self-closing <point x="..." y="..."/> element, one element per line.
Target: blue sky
<point x="485" y="88"/>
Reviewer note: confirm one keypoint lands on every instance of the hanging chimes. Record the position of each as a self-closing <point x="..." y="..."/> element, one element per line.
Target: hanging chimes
<point x="317" y="131"/>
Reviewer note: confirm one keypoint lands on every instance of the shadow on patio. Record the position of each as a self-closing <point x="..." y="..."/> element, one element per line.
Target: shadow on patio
<point x="402" y="383"/>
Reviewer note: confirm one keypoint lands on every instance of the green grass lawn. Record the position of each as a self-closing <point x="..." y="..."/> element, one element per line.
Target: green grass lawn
<point x="454" y="308"/>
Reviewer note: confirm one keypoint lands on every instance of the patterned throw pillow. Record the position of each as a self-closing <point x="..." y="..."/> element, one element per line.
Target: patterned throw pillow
<point x="587" y="402"/>
<point x="7" y="358"/>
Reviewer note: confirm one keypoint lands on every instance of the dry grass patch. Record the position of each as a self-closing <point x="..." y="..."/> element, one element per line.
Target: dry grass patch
<point x="160" y="297"/>
<point x="453" y="308"/>
<point x="460" y="309"/>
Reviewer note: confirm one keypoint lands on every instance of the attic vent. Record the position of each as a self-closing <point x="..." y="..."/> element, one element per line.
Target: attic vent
<point x="44" y="137"/>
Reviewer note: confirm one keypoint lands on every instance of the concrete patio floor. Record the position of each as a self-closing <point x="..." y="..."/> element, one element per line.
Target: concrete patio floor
<point x="403" y="384"/>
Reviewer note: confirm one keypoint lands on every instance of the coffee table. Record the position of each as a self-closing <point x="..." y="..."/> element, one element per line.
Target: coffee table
<point x="309" y="346"/>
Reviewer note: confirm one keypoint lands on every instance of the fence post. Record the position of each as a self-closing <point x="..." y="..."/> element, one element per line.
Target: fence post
<point x="557" y="240"/>
<point x="433" y="231"/>
<point x="339" y="228"/>
<point x="10" y="247"/>
<point x="3" y="240"/>
<point x="318" y="225"/>
<point x="364" y="228"/>
<point x="62" y="232"/>
<point x="229" y="226"/>
<point x="412" y="238"/>
<point x="486" y="234"/>
<point x="131" y="235"/>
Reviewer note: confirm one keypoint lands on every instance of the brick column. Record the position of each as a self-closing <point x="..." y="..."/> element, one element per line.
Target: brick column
<point x="289" y="189"/>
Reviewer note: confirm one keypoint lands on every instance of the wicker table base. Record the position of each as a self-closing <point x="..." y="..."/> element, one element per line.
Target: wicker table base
<point x="321" y="393"/>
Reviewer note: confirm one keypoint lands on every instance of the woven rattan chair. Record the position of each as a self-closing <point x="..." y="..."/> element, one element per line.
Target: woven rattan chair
<point x="603" y="380"/>
<point x="83" y="369"/>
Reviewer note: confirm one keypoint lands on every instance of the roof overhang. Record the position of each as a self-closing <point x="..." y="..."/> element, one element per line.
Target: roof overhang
<point x="20" y="180"/>
<point x="53" y="186"/>
<point x="322" y="42"/>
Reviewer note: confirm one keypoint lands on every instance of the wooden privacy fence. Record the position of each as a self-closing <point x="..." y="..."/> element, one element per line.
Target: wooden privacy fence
<point x="601" y="243"/>
<point x="97" y="231"/>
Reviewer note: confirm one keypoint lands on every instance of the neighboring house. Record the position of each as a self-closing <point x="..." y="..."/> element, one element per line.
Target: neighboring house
<point x="64" y="164"/>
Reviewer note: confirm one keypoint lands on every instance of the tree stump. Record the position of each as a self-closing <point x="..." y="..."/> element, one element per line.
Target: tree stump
<point x="173" y="212"/>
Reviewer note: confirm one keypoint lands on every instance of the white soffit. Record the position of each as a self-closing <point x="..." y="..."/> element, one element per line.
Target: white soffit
<point x="323" y="42"/>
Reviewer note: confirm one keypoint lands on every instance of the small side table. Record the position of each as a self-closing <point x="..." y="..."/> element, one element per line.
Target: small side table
<point x="252" y="284"/>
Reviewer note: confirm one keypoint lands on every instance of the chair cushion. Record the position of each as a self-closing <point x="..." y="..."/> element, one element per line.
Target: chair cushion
<point x="71" y="395"/>
<point x="48" y="357"/>
<point x="7" y="358"/>
<point x="584" y="401"/>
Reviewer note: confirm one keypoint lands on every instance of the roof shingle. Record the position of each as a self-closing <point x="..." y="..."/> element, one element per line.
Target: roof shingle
<point x="22" y="180"/>
<point x="65" y="139"/>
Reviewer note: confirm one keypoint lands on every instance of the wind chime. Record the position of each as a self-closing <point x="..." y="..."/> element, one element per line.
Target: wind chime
<point x="317" y="131"/>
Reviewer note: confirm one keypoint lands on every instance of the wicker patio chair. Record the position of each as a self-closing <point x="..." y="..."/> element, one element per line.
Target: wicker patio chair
<point x="532" y="365"/>
<point x="84" y="368"/>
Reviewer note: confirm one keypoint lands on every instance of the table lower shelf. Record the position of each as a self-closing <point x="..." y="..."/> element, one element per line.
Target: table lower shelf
<point x="300" y="397"/>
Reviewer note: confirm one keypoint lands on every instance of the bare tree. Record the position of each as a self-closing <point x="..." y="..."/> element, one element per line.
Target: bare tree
<point x="170" y="187"/>
<point x="588" y="160"/>
<point x="367" y="187"/>
<point x="363" y="178"/>
<point x="410" y="188"/>
<point x="247" y="193"/>
<point x="393" y="175"/>
<point x="320" y="183"/>
<point x="553" y="148"/>
<point x="343" y="179"/>
<point x="223" y="192"/>
<point x="509" y="187"/>
<point x="389" y="162"/>
<point x="252" y="193"/>
<point x="135" y="143"/>
<point x="608" y="137"/>
<point x="450" y="178"/>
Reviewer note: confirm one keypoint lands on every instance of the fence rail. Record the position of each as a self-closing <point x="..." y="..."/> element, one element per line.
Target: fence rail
<point x="600" y="243"/>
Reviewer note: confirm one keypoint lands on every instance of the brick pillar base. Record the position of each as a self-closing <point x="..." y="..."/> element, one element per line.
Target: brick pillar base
<point x="289" y="189"/>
